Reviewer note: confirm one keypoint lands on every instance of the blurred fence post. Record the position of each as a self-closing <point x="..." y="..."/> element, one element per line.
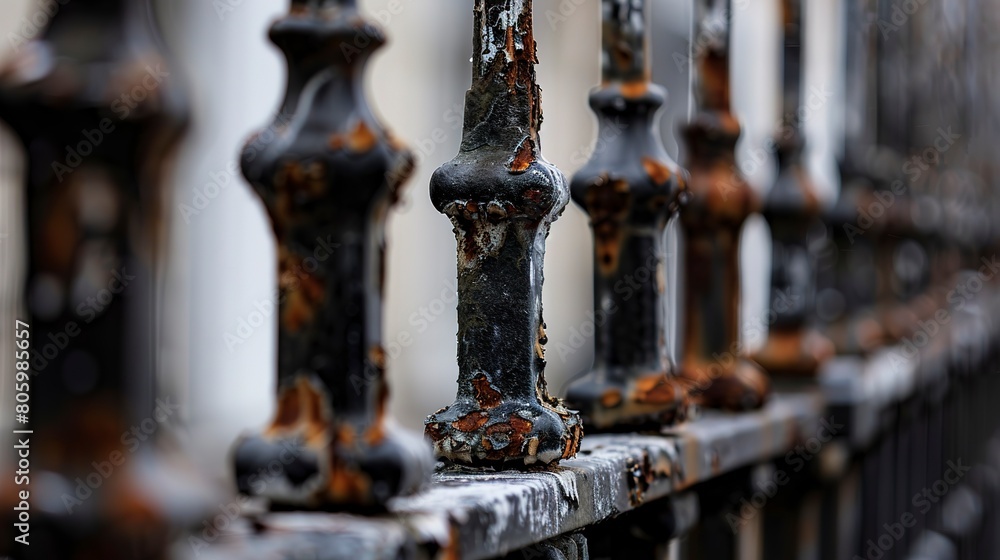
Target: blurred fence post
<point x="630" y="188"/>
<point x="793" y="347"/>
<point x="328" y="174"/>
<point x="718" y="202"/>
<point x="99" y="112"/>
<point x="848" y="296"/>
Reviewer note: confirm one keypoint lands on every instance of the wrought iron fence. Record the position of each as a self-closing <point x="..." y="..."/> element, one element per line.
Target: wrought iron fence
<point x="862" y="426"/>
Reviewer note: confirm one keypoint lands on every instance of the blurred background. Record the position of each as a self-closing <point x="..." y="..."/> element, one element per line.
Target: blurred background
<point x="217" y="356"/>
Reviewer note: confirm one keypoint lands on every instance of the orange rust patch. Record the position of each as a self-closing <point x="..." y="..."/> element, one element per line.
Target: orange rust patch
<point x="633" y="90"/>
<point x="377" y="356"/>
<point x="362" y="138"/>
<point x="486" y="395"/>
<point x="471" y="208"/>
<point x="515" y="429"/>
<point x="433" y="431"/>
<point x="471" y="422"/>
<point x="348" y="485"/>
<point x="511" y="48"/>
<point x="656" y="389"/>
<point x="540" y="342"/>
<point x="343" y="434"/>
<point x="608" y="203"/>
<point x="296" y="314"/>
<point x="573" y="442"/>
<point x="656" y="170"/>
<point x="524" y="157"/>
<point x="376" y="433"/>
<point x="452" y="551"/>
<point x="520" y="424"/>
<point x="611" y="398"/>
<point x="289" y="409"/>
<point x="304" y="291"/>
<point x="301" y="409"/>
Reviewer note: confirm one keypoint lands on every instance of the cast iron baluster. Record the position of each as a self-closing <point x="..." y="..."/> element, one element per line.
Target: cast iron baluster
<point x="328" y="183"/>
<point x="98" y="113"/>
<point x="719" y="202"/>
<point x="630" y="189"/>
<point x="848" y="306"/>
<point x="502" y="197"/>
<point x="791" y="207"/>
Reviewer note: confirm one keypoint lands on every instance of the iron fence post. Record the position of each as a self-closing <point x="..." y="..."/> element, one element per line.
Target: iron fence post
<point x="328" y="180"/>
<point x="793" y="346"/>
<point x="630" y="188"/>
<point x="99" y="112"/>
<point x="718" y="202"/>
<point x="502" y="197"/>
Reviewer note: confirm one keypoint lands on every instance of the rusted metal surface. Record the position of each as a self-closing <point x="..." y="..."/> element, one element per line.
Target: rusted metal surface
<point x="718" y="202"/>
<point x="98" y="111"/>
<point x="502" y="197"/>
<point x="328" y="184"/>
<point x="793" y="346"/>
<point x="474" y="515"/>
<point x="630" y="188"/>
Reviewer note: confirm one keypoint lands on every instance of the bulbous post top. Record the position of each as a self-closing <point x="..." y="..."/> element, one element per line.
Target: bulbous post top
<point x="328" y="174"/>
<point x="502" y="197"/>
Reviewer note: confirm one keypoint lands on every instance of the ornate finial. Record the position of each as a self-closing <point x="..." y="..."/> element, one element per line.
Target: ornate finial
<point x="502" y="196"/>
<point x="328" y="183"/>
<point x="630" y="189"/>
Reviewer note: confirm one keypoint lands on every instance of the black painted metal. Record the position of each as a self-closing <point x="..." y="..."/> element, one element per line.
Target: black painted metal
<point x="630" y="189"/>
<point x="328" y="182"/>
<point x="502" y="197"/>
